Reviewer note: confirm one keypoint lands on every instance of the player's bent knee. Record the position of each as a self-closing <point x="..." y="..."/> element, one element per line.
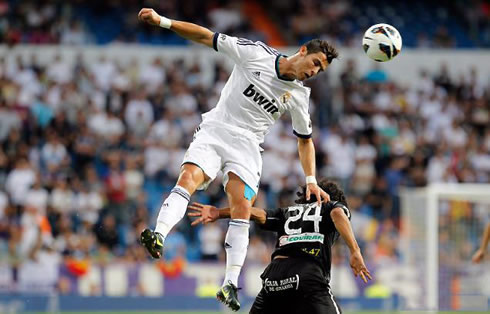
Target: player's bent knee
<point x="191" y="177"/>
<point x="241" y="210"/>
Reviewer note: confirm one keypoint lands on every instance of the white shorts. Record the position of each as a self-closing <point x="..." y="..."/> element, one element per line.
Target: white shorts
<point x="219" y="148"/>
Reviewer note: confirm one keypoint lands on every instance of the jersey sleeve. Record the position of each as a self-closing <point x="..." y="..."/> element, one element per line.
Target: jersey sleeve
<point x="346" y="210"/>
<point x="239" y="50"/>
<point x="301" y="120"/>
<point x="274" y="220"/>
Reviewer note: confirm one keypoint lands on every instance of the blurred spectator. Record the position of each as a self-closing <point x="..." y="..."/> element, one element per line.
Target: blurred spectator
<point x="37" y="197"/>
<point x="19" y="181"/>
<point x="106" y="232"/>
<point x="211" y="239"/>
<point x="62" y="197"/>
<point x="8" y="120"/>
<point x="139" y="114"/>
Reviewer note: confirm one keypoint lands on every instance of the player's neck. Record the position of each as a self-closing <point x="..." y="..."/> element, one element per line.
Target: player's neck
<point x="286" y="67"/>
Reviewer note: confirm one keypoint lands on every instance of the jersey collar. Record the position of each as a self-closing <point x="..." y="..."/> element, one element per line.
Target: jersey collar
<point x="279" y="76"/>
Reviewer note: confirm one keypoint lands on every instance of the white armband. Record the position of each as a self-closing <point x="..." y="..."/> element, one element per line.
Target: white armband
<point x="165" y="22"/>
<point x="310" y="179"/>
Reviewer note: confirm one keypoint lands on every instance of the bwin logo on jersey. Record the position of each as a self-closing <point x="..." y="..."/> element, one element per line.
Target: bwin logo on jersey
<point x="260" y="100"/>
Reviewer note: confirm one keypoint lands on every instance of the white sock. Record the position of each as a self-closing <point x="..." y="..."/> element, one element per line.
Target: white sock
<point x="172" y="210"/>
<point x="236" y="244"/>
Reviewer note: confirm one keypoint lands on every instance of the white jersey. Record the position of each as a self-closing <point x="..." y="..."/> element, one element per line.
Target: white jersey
<point x="255" y="96"/>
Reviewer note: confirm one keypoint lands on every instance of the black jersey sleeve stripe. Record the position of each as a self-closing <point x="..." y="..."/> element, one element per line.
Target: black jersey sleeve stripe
<point x="253" y="44"/>
<point x="246" y="42"/>
<point x="215" y="41"/>
<point x="267" y="48"/>
<point x="305" y="136"/>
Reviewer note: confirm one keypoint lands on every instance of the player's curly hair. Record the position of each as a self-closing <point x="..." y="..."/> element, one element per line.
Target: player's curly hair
<point x="332" y="189"/>
<point x="319" y="45"/>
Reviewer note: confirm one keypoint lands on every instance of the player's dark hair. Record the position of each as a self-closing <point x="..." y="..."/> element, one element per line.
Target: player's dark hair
<point x="332" y="189"/>
<point x="318" y="45"/>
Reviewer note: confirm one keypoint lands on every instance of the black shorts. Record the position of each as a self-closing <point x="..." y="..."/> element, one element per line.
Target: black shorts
<point x="294" y="286"/>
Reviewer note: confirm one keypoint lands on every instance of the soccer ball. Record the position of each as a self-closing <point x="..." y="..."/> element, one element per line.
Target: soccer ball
<point x="382" y="42"/>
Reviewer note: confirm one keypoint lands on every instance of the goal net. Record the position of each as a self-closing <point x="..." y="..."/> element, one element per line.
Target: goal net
<point x="442" y="226"/>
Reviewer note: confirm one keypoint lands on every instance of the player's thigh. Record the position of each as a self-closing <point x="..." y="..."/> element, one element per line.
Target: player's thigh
<point x="237" y="197"/>
<point x="242" y="157"/>
<point x="202" y="158"/>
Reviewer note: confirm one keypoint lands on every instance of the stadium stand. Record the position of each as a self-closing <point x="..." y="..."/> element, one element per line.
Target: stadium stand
<point x="421" y="23"/>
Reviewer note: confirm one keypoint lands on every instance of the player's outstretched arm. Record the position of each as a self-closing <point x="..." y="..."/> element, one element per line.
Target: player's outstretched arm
<point x="306" y="151"/>
<point x="480" y="254"/>
<point x="208" y="213"/>
<point x="343" y="226"/>
<point x="186" y="30"/>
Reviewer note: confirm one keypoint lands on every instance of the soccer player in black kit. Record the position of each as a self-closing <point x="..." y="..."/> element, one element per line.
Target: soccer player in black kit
<point x="297" y="279"/>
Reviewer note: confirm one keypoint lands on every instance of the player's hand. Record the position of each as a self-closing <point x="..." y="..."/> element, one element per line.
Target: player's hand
<point x="478" y="256"/>
<point x="206" y="213"/>
<point x="321" y="195"/>
<point x="358" y="267"/>
<point x="149" y="16"/>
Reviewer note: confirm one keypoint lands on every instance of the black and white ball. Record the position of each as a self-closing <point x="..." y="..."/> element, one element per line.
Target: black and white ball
<point x="382" y="42"/>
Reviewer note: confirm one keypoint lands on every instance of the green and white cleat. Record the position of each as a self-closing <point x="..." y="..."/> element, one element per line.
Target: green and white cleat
<point x="153" y="242"/>
<point x="228" y="295"/>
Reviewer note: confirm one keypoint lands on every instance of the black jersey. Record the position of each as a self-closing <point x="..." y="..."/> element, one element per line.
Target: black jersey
<point x="305" y="230"/>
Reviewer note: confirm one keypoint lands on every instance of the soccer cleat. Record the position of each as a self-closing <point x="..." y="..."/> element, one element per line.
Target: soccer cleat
<point x="153" y="242"/>
<point x="228" y="295"/>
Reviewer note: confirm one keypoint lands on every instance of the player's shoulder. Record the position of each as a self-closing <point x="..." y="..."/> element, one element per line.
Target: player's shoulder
<point x="329" y="206"/>
<point x="259" y="48"/>
<point x="264" y="49"/>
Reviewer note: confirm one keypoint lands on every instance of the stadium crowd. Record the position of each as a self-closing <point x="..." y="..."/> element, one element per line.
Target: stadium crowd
<point x="421" y="23"/>
<point x="87" y="152"/>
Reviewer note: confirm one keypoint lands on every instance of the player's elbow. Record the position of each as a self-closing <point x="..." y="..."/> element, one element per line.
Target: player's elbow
<point x="206" y="38"/>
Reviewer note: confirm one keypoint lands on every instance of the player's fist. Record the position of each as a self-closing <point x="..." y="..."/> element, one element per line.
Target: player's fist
<point x="478" y="256"/>
<point x="149" y="16"/>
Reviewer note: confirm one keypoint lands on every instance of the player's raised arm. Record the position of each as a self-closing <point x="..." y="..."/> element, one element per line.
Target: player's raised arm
<point x="186" y="30"/>
<point x="342" y="224"/>
<point x="208" y="213"/>
<point x="306" y="151"/>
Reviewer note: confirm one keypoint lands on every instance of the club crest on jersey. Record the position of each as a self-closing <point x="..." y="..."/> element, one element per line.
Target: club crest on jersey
<point x="260" y="100"/>
<point x="285" y="97"/>
<point x="256" y="74"/>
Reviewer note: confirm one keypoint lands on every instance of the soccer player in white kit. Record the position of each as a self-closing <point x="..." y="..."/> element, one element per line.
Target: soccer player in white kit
<point x="263" y="85"/>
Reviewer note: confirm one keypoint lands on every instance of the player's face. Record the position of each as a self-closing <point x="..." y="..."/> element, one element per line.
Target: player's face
<point x="311" y="64"/>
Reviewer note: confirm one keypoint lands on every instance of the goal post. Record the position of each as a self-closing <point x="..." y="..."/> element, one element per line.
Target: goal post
<point x="439" y="231"/>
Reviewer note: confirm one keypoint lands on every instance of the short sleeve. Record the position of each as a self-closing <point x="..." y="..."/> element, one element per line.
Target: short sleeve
<point x="301" y="120"/>
<point x="238" y="49"/>
<point x="341" y="205"/>
<point x="274" y="220"/>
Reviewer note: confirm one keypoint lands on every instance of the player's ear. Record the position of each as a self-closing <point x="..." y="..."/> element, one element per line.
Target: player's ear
<point x="303" y="51"/>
